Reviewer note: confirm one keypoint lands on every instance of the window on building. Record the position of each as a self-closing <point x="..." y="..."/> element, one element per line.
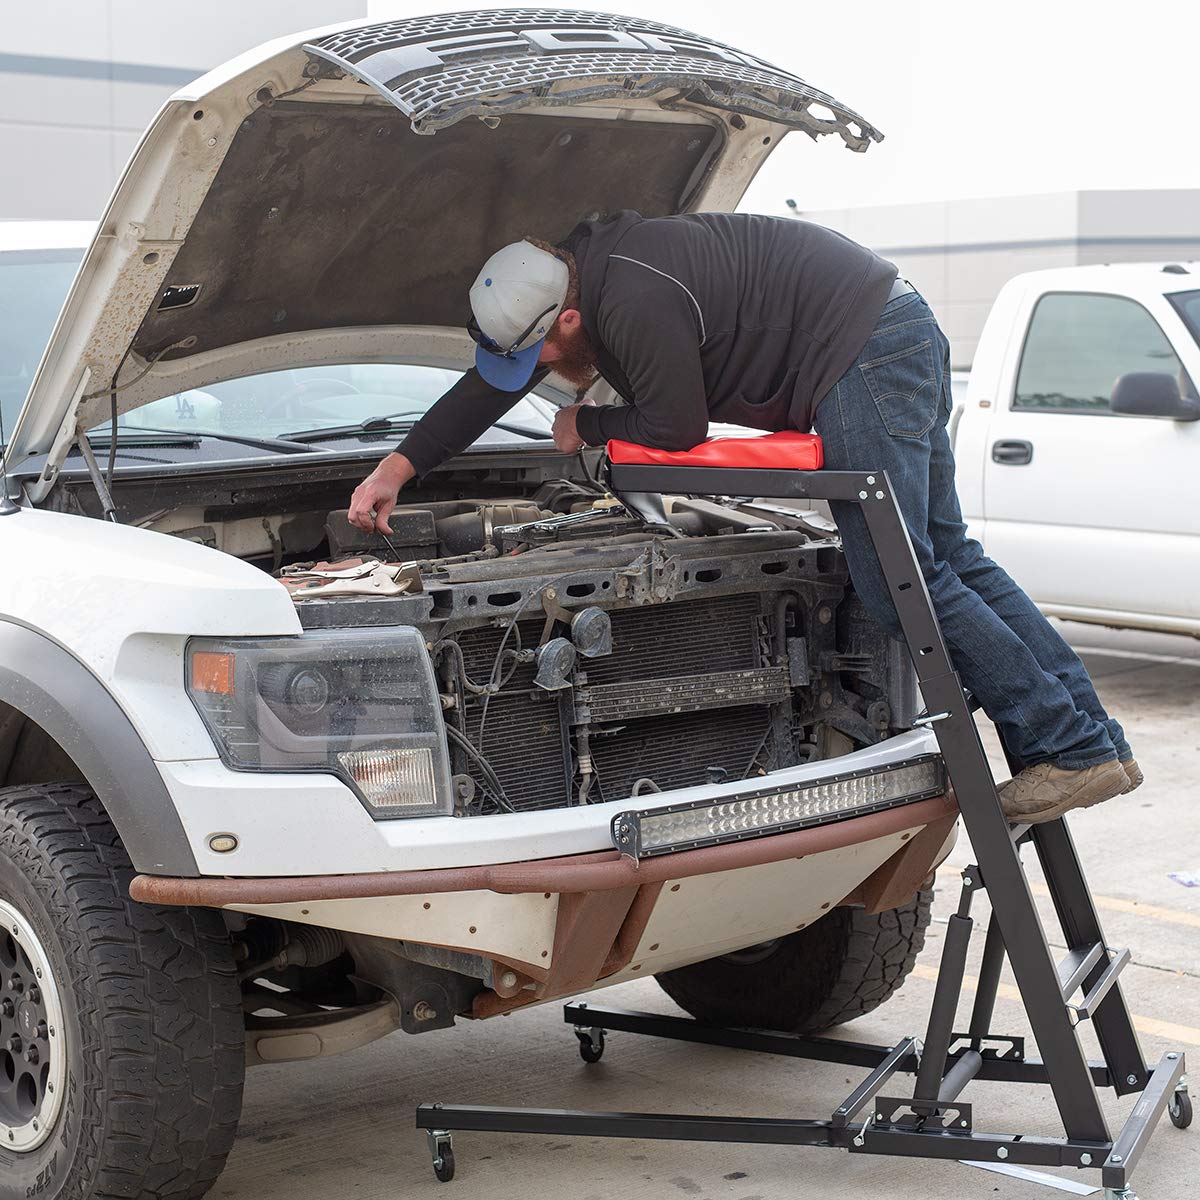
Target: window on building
<point x="1080" y="344"/>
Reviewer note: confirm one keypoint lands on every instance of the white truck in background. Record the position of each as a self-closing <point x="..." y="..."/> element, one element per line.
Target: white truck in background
<point x="1078" y="442"/>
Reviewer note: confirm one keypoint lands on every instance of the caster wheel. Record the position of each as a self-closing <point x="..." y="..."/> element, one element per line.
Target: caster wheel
<point x="441" y="1147"/>
<point x="443" y="1165"/>
<point x="1180" y="1110"/>
<point x="591" y="1044"/>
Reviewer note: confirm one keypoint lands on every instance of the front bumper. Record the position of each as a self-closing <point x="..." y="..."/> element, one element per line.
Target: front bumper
<point x="313" y="825"/>
<point x="554" y="927"/>
<point x="597" y="872"/>
<point x="555" y="923"/>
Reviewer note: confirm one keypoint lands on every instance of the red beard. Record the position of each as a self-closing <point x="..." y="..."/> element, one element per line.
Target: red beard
<point x="577" y="361"/>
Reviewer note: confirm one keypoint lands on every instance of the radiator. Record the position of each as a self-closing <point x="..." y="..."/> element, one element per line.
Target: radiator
<point x="683" y="692"/>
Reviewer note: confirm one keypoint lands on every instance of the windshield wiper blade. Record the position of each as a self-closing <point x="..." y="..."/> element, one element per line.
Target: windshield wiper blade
<point x="345" y="431"/>
<point x="283" y="445"/>
<point x="142" y="439"/>
<point x="399" y="421"/>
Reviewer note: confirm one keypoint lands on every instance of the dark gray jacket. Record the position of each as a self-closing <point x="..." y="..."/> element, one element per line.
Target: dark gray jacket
<point x="704" y="317"/>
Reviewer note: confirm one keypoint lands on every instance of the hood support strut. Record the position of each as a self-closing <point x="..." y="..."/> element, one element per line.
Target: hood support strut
<point x="97" y="477"/>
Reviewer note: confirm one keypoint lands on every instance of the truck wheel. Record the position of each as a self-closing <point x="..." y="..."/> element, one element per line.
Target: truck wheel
<point x="121" y="1038"/>
<point x="842" y="966"/>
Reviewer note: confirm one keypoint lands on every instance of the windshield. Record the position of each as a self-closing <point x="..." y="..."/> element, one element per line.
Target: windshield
<point x="1187" y="305"/>
<point x="285" y="403"/>
<point x="33" y="286"/>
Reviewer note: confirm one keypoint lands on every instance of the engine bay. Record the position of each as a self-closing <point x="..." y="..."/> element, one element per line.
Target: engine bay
<point x="590" y="648"/>
<point x="586" y="647"/>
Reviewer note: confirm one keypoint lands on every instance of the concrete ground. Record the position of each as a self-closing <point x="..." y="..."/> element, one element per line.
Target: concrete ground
<point x="345" y="1127"/>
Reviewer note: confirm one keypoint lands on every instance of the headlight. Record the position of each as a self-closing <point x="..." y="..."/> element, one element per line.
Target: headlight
<point x="758" y="813"/>
<point x="360" y="703"/>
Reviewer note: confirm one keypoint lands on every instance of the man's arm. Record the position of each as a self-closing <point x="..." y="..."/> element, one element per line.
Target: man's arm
<point x="459" y="418"/>
<point x="655" y="335"/>
<point x="448" y="428"/>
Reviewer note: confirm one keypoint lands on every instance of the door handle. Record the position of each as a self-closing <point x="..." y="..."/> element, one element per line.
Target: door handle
<point x="1013" y="454"/>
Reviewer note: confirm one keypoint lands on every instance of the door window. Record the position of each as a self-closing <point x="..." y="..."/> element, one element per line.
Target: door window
<point x="1187" y="305"/>
<point x="33" y="284"/>
<point x="1079" y="344"/>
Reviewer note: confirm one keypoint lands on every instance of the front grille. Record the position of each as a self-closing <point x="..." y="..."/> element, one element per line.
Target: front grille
<point x="436" y="70"/>
<point x="678" y="656"/>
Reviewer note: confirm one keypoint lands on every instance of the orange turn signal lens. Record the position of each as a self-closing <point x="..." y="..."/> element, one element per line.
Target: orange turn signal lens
<point x="212" y="672"/>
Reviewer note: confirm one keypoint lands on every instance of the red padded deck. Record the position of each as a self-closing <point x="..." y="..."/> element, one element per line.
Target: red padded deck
<point x="788" y="450"/>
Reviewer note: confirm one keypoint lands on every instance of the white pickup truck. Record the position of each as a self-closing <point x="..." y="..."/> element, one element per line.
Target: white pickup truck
<point x="255" y="810"/>
<point x="1078" y="443"/>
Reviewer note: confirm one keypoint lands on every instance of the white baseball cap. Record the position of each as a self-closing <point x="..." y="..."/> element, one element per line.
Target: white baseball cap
<point x="515" y="299"/>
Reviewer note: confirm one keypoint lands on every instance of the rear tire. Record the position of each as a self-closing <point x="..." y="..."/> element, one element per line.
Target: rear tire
<point x="841" y="967"/>
<point x="152" y="1039"/>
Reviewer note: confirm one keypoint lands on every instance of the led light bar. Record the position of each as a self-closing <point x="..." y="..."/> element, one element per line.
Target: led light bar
<point x="646" y="832"/>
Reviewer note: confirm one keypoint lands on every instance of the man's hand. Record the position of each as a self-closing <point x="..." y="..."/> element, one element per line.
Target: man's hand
<point x="375" y="497"/>
<point x="566" y="436"/>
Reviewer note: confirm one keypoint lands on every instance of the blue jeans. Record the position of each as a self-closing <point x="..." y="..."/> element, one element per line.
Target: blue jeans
<point x="889" y="413"/>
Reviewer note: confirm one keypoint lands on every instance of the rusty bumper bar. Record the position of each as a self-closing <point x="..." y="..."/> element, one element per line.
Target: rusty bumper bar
<point x="602" y="871"/>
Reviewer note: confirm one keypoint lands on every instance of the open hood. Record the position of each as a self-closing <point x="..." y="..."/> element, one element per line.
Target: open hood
<point x="318" y="198"/>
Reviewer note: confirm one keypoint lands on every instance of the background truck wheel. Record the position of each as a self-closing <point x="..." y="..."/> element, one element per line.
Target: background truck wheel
<point x="121" y="1038"/>
<point x="839" y="968"/>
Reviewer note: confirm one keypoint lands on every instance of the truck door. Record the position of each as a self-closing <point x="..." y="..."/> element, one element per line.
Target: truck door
<point x="1089" y="509"/>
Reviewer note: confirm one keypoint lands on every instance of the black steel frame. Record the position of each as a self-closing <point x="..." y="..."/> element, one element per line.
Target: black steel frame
<point x="932" y="1123"/>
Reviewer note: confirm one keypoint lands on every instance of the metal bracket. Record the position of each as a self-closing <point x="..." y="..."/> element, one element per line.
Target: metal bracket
<point x="972" y="878"/>
<point x="652" y="578"/>
<point x="1004" y="1049"/>
<point x="554" y="612"/>
<point x="897" y="1113"/>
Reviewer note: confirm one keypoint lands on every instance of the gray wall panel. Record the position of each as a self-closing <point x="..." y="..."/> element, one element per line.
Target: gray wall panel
<point x="54" y="171"/>
<point x="27" y="99"/>
<point x="959" y="253"/>
<point x="94" y="73"/>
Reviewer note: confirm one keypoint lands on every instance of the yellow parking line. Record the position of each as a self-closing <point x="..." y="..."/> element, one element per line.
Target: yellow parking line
<point x="1168" y="1030"/>
<point x="1172" y="915"/>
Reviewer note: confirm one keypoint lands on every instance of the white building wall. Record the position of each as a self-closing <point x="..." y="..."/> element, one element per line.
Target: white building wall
<point x="81" y="79"/>
<point x="959" y="253"/>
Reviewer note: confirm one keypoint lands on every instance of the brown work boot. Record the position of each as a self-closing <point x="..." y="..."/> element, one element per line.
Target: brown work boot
<point x="1133" y="773"/>
<point x="1043" y="792"/>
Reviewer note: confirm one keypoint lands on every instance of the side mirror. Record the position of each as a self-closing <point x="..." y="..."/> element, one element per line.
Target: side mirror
<point x="1153" y="394"/>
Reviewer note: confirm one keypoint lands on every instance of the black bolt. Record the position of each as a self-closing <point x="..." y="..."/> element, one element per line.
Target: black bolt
<point x="7" y="1008"/>
<point x="31" y="1055"/>
<point x="35" y="994"/>
<point x="14" y="1043"/>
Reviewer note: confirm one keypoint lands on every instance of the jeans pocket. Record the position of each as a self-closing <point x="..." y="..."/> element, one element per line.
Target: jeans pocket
<point x="906" y="387"/>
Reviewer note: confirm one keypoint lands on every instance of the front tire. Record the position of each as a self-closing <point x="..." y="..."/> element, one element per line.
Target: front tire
<point x="148" y="1035"/>
<point x="841" y="967"/>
